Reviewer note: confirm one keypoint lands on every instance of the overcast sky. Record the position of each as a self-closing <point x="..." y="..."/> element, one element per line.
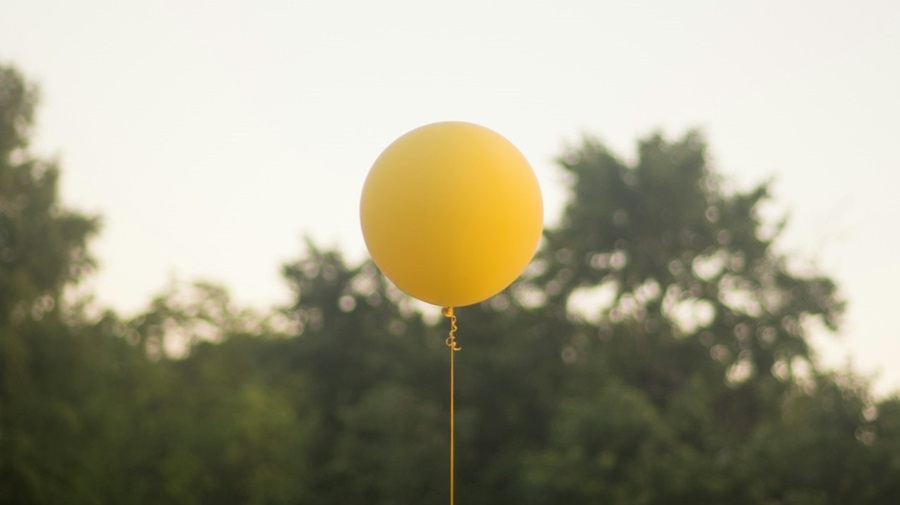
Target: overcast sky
<point x="212" y="135"/>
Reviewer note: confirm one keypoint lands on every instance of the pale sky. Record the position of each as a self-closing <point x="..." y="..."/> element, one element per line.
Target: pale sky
<point x="212" y="135"/>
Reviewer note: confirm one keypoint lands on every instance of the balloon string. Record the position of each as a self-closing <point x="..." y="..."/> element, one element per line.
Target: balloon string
<point x="451" y="339"/>
<point x="454" y="347"/>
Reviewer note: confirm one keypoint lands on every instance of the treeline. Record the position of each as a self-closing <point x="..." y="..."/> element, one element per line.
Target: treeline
<point x="655" y="352"/>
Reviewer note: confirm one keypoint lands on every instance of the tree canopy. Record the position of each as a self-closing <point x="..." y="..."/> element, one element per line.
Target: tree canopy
<point x="656" y="351"/>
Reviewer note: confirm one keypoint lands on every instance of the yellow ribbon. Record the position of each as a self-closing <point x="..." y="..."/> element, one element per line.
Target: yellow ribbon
<point x="454" y="347"/>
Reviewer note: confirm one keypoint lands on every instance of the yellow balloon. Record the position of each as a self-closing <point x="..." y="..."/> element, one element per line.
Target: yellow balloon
<point x="451" y="213"/>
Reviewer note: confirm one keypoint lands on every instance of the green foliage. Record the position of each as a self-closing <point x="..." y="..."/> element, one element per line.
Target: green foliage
<point x="42" y="250"/>
<point x="655" y="351"/>
<point x="42" y="245"/>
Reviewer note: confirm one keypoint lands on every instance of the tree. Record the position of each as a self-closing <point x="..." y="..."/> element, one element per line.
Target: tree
<point x="375" y="378"/>
<point x="43" y="248"/>
<point x="687" y="344"/>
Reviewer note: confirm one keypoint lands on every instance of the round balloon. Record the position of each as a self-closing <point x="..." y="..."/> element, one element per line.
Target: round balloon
<point x="452" y="213"/>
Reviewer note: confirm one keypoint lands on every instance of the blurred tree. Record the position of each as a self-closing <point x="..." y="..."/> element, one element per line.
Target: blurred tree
<point x="689" y="266"/>
<point x="376" y="381"/>
<point x="680" y="304"/>
<point x="218" y="416"/>
<point x="43" y="249"/>
<point x="43" y="246"/>
<point x="823" y="447"/>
